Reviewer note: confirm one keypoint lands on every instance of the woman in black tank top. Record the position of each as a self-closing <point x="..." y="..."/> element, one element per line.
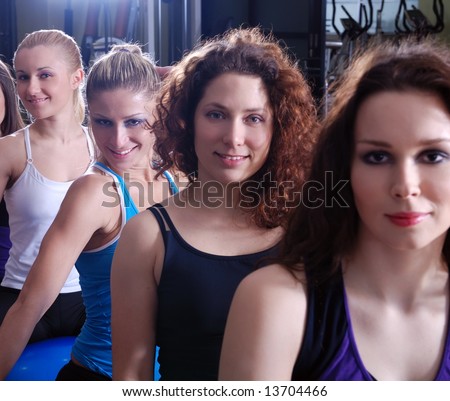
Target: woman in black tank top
<point x="237" y="117"/>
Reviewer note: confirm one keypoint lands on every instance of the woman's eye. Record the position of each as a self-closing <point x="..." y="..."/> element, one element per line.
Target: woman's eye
<point x="102" y="122"/>
<point x="376" y="157"/>
<point x="44" y="75"/>
<point x="133" y="123"/>
<point x="215" y="115"/>
<point x="434" y="156"/>
<point x="255" y="119"/>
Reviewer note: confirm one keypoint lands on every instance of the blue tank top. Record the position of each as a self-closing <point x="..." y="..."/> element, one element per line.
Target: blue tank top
<point x="194" y="296"/>
<point x="92" y="347"/>
<point x="329" y="350"/>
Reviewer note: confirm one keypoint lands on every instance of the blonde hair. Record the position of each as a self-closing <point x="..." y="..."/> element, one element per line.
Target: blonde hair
<point x="71" y="55"/>
<point x="124" y="67"/>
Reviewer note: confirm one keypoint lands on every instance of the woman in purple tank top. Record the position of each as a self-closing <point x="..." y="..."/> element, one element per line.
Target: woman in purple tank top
<point x="10" y="121"/>
<point x="361" y="290"/>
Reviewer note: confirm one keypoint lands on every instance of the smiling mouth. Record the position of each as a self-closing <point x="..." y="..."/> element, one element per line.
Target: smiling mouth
<point x="229" y="157"/>
<point x="37" y="100"/>
<point x="122" y="153"/>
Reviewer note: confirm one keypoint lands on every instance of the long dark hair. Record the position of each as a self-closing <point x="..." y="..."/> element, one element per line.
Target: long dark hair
<point x="324" y="228"/>
<point x="12" y="120"/>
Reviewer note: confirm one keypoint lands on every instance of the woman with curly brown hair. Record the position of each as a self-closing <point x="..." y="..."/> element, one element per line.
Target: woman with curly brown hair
<point x="361" y="290"/>
<point x="236" y="116"/>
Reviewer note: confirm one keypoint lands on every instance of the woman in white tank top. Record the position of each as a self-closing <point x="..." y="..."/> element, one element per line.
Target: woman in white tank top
<point x="39" y="163"/>
<point x="120" y="92"/>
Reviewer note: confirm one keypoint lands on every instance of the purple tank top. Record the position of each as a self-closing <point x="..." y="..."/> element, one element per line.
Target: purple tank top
<point x="338" y="358"/>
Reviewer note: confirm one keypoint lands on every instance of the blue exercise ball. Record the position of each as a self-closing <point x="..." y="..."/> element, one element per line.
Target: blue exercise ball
<point x="156" y="375"/>
<point x="42" y="360"/>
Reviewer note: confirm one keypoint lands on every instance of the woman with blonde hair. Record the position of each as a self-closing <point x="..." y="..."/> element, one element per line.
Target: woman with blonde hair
<point x="120" y="92"/>
<point x="39" y="163"/>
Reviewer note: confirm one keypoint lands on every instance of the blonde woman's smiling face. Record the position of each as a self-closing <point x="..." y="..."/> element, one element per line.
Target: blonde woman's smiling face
<point x="119" y="121"/>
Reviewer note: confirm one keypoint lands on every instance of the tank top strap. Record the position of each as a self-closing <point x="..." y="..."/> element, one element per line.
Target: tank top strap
<point x="326" y="326"/>
<point x="90" y="144"/>
<point x="26" y="136"/>
<point x="173" y="186"/>
<point x="127" y="200"/>
<point x="163" y="220"/>
<point x="167" y="220"/>
<point x="106" y="169"/>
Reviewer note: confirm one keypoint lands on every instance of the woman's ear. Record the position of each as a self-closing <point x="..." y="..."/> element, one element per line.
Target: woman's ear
<point x="163" y="71"/>
<point x="77" y="78"/>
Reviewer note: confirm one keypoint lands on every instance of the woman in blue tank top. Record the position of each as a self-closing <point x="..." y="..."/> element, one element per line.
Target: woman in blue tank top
<point x="238" y="117"/>
<point x="361" y="291"/>
<point x="120" y="91"/>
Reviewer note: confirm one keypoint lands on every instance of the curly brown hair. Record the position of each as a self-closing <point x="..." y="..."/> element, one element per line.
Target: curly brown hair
<point x="318" y="237"/>
<point x="243" y="51"/>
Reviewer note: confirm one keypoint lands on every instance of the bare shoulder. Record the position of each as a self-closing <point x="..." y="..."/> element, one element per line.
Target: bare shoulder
<point x="95" y="185"/>
<point x="14" y="140"/>
<point x="275" y="277"/>
<point x="12" y="147"/>
<point x="268" y="312"/>
<point x="272" y="289"/>
<point x="93" y="197"/>
<point x="88" y="202"/>
<point x="142" y="233"/>
<point x="141" y="246"/>
<point x="142" y="223"/>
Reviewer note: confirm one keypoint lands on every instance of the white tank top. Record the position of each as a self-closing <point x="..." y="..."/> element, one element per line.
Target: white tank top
<point x="33" y="203"/>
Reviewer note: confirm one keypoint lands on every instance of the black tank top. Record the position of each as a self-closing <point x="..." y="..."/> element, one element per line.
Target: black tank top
<point x="194" y="296"/>
<point x="4" y="217"/>
<point x="325" y="328"/>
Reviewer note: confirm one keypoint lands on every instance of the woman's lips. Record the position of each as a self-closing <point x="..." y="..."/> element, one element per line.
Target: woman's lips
<point x="231" y="160"/>
<point x="407" y="219"/>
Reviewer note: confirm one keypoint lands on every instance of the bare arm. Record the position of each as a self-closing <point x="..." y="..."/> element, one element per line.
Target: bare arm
<point x="12" y="159"/>
<point x="134" y="298"/>
<point x="264" y="328"/>
<point x="79" y="217"/>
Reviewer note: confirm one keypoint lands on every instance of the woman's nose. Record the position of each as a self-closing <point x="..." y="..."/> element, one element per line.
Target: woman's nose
<point x="235" y="135"/>
<point x="406" y="182"/>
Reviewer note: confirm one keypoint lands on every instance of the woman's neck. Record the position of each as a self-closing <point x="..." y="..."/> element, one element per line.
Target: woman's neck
<point x="136" y="175"/>
<point x="62" y="130"/>
<point x="400" y="275"/>
<point x="215" y="195"/>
